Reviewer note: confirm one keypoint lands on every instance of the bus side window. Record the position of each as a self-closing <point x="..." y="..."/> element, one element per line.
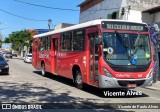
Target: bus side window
<point x="66" y="40"/>
<point x="42" y="44"/>
<point x="48" y="43"/>
<point x="79" y="40"/>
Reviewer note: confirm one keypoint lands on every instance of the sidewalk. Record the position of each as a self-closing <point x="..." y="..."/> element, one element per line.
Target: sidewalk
<point x="155" y="86"/>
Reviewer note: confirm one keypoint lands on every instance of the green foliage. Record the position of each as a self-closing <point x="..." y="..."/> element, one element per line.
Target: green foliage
<point x="0" y="40"/>
<point x="19" y="38"/>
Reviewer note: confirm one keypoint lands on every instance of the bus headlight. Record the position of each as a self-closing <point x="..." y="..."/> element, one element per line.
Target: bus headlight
<point x="151" y="73"/>
<point x="108" y="74"/>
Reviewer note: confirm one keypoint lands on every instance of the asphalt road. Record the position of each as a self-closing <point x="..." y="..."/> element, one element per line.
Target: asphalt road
<point x="24" y="84"/>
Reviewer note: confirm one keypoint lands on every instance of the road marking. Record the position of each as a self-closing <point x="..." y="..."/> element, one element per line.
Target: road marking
<point x="154" y="98"/>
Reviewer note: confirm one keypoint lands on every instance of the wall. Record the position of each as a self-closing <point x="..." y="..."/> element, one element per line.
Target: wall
<point x="135" y="16"/>
<point x="88" y="4"/>
<point x="143" y="4"/>
<point x="151" y="18"/>
<point x="148" y="18"/>
<point x="157" y="17"/>
<point x="111" y="5"/>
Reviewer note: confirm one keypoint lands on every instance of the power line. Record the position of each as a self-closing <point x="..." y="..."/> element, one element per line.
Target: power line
<point x="45" y="6"/>
<point x="55" y="8"/>
<point x="20" y="16"/>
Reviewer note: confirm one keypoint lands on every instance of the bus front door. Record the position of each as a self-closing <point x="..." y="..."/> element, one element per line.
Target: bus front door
<point x="94" y="59"/>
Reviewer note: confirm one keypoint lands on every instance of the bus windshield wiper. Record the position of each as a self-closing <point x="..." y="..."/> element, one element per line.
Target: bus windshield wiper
<point x="136" y="43"/>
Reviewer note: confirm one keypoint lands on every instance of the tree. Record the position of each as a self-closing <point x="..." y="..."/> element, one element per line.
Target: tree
<point x="19" y="38"/>
<point x="0" y="40"/>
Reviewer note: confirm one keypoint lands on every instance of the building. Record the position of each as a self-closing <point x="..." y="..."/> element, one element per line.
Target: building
<point x="151" y="15"/>
<point x="7" y="46"/>
<point x="115" y="9"/>
<point x="62" y="25"/>
<point x="39" y="31"/>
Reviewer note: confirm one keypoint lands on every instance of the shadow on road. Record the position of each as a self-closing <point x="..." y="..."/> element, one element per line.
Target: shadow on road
<point x="3" y="74"/>
<point x="128" y="93"/>
<point x="14" y="92"/>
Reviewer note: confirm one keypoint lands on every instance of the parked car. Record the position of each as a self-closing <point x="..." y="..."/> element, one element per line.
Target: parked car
<point x="15" y="54"/>
<point x="28" y="58"/>
<point x="8" y="55"/>
<point x="4" y="67"/>
<point x="1" y="53"/>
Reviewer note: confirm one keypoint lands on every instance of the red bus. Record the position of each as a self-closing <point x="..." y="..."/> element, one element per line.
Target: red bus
<point x="103" y="53"/>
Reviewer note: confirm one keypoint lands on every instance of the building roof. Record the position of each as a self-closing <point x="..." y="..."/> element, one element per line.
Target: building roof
<point x="86" y="1"/>
<point x="152" y="10"/>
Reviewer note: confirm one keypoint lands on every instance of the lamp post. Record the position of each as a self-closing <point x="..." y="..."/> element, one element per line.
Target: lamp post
<point x="49" y="24"/>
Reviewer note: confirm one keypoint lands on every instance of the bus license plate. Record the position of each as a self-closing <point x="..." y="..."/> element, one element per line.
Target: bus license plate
<point x="132" y="85"/>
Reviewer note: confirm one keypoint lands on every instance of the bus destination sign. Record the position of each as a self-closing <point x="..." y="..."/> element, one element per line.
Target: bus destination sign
<point x="124" y="26"/>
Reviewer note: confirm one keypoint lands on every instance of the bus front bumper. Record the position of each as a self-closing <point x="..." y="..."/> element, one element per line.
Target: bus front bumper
<point x="107" y="82"/>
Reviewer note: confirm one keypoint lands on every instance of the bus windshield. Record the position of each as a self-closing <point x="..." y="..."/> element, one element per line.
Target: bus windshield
<point x="126" y="48"/>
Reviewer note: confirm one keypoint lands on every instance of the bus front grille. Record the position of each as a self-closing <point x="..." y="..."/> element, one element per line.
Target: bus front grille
<point x="124" y="83"/>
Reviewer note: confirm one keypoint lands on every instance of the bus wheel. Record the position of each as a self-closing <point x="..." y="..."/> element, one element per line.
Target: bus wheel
<point x="78" y="80"/>
<point x="43" y="70"/>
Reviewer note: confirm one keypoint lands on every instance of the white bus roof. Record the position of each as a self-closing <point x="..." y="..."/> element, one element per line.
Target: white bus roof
<point x="82" y="25"/>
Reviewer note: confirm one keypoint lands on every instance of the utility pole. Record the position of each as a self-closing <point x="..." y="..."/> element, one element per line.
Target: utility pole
<point x="128" y="11"/>
<point x="125" y="12"/>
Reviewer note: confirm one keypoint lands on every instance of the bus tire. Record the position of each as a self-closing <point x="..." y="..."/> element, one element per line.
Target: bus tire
<point x="78" y="79"/>
<point x="43" y="72"/>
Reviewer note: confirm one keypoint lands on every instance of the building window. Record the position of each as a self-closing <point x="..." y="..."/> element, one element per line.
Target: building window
<point x="114" y="15"/>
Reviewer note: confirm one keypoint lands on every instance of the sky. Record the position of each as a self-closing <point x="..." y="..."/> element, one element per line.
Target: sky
<point x="10" y="23"/>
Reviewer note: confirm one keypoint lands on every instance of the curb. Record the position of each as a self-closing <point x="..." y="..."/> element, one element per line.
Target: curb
<point x="18" y="58"/>
<point x="152" y="88"/>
